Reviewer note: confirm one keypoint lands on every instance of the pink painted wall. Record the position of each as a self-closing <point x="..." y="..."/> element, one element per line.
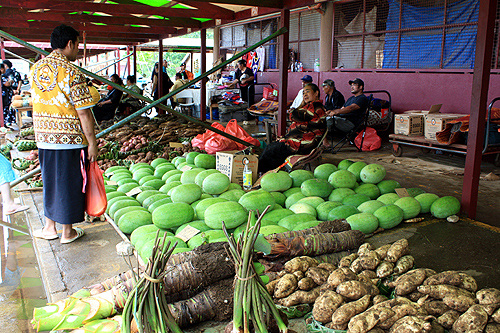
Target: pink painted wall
<point x="409" y="91"/>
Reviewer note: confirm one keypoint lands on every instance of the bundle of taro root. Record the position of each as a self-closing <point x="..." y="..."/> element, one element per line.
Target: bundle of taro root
<point x="347" y="297"/>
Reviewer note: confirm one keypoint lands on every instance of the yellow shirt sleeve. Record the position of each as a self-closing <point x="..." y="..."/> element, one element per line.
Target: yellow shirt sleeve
<point x="80" y="92"/>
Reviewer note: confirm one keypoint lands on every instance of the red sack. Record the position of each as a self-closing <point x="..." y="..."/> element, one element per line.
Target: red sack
<point x="236" y="130"/>
<point x="95" y="194"/>
<point x="270" y="93"/>
<point x="200" y="140"/>
<point x="371" y="142"/>
<point x="219" y="143"/>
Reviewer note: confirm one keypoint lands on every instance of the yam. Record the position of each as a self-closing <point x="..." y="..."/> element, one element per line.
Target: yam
<point x="443" y="290"/>
<point x="448" y="318"/>
<point x="409" y="281"/>
<point x="404" y="264"/>
<point x="453" y="278"/>
<point x="333" y="326"/>
<point x="435" y="308"/>
<point x="285" y="286"/>
<point x="414" y="296"/>
<point x="379" y="299"/>
<point x="328" y="266"/>
<point x="364" y="248"/>
<point x="347" y="260"/>
<point x="397" y="250"/>
<point x="401" y="311"/>
<point x="385" y="269"/>
<point x="367" y="320"/>
<point x="488" y="296"/>
<point x="356" y="289"/>
<point x="300" y="297"/>
<point x="325" y="305"/>
<point x="369" y="260"/>
<point x="271" y="286"/>
<point x="344" y="313"/>
<point x="319" y="275"/>
<point x="300" y="264"/>
<point x="410" y="324"/>
<point x="473" y="320"/>
<point x="459" y="303"/>
<point x="306" y="284"/>
<point x="376" y="330"/>
<point x="369" y="274"/>
<point x="356" y="266"/>
<point x="299" y="275"/>
<point x="492" y="328"/>
<point x="382" y="251"/>
<point x="496" y="316"/>
<point x="340" y="275"/>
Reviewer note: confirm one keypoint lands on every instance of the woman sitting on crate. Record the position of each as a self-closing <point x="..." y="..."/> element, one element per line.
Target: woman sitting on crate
<point x="305" y="132"/>
<point x="106" y="107"/>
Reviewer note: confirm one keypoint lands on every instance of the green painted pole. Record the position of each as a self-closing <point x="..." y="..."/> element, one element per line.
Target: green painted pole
<point x="141" y="97"/>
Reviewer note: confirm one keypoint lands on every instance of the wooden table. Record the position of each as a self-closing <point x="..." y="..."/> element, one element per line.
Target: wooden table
<point x="19" y="114"/>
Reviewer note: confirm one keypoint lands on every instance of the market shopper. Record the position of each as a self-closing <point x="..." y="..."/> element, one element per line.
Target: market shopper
<point x="186" y="75"/>
<point x="64" y="131"/>
<point x="305" y="132"/>
<point x="245" y="78"/>
<point x="9" y="116"/>
<point x="105" y="109"/>
<point x="6" y="176"/>
<point x="351" y="115"/>
<point x="179" y="82"/>
<point x="129" y="103"/>
<point x="166" y="83"/>
<point x="297" y="102"/>
<point x="18" y="81"/>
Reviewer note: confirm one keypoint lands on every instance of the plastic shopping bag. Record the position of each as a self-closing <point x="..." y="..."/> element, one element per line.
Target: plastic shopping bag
<point x="200" y="140"/>
<point x="236" y="130"/>
<point x="270" y="93"/>
<point x="95" y="194"/>
<point x="371" y="141"/>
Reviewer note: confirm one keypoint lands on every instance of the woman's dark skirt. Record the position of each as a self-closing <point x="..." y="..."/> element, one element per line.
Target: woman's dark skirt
<point x="63" y="198"/>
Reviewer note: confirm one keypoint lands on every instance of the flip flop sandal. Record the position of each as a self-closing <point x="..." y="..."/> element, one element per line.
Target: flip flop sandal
<point x="79" y="233"/>
<point x="39" y="234"/>
<point x="17" y="210"/>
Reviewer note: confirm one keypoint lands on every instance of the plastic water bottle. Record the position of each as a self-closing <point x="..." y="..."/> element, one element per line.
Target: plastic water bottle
<point x="247" y="177"/>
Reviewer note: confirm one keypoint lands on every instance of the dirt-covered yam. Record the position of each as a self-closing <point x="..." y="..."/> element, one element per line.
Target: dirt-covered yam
<point x="364" y="248"/>
<point x="271" y="286"/>
<point x="369" y="260"/>
<point x="453" y="278"/>
<point x="356" y="289"/>
<point x="460" y="303"/>
<point x="318" y="275"/>
<point x="496" y="316"/>
<point x="347" y="260"/>
<point x="410" y="324"/>
<point x="367" y="320"/>
<point x="340" y="275"/>
<point x="328" y="266"/>
<point x="488" y="296"/>
<point x="325" y="305"/>
<point x="299" y="275"/>
<point x="448" y="318"/>
<point x="382" y="251"/>
<point x="345" y="312"/>
<point x="409" y="281"/>
<point x="414" y="296"/>
<point x="300" y="297"/>
<point x="404" y="264"/>
<point x="285" y="286"/>
<point x="332" y="326"/>
<point x="369" y="274"/>
<point x="435" y="308"/>
<point x="441" y="291"/>
<point x="379" y="299"/>
<point x="397" y="250"/>
<point x="473" y="320"/>
<point x="300" y="264"/>
<point x="306" y="284"/>
<point x="384" y="269"/>
<point x="401" y="311"/>
<point x="356" y="266"/>
<point x="492" y="328"/>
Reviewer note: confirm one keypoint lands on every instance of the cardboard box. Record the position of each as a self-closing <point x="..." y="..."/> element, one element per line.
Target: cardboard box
<point x="433" y="109"/>
<point x="409" y="124"/>
<point x="436" y="122"/>
<point x="231" y="164"/>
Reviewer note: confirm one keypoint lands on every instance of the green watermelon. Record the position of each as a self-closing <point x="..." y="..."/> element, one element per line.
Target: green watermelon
<point x="426" y="200"/>
<point x="231" y="213"/>
<point x="316" y="187"/>
<point x="325" y="208"/>
<point x="370" y="190"/>
<point x="388" y="186"/>
<point x="342" y="212"/>
<point x="389" y="216"/>
<point x="356" y="168"/>
<point x="342" y="178"/>
<point x="372" y="174"/>
<point x="411" y="207"/>
<point x="323" y="171"/>
<point x="276" y="181"/>
<point x="365" y="222"/>
<point x="445" y="206"/>
<point x="339" y="194"/>
<point x="344" y="164"/>
<point x="299" y="176"/>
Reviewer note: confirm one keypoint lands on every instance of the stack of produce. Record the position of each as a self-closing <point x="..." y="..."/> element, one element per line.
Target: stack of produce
<point x="406" y="299"/>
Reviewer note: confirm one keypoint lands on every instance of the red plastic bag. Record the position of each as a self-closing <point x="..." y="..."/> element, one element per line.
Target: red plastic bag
<point x="236" y="130"/>
<point x="200" y="140"/>
<point x="219" y="143"/>
<point x="371" y="142"/>
<point x="270" y="93"/>
<point x="95" y="194"/>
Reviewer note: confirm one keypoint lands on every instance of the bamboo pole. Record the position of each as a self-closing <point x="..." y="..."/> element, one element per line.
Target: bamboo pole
<point x="141" y="97"/>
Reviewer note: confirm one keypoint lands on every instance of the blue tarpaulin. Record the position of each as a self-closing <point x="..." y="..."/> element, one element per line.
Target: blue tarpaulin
<point x="422" y="48"/>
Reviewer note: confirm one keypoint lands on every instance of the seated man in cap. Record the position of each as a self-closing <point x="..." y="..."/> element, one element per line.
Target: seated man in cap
<point x="333" y="98"/>
<point x="352" y="113"/>
<point x="297" y="102"/>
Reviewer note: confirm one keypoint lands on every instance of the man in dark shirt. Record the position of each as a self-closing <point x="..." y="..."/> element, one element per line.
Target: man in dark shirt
<point x="333" y="98"/>
<point x="244" y="76"/>
<point x="352" y="113"/>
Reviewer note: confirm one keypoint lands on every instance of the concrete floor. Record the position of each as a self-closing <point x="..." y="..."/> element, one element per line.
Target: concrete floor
<point x="467" y="245"/>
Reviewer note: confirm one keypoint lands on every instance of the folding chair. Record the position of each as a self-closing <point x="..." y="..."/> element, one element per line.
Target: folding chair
<point x="189" y="99"/>
<point x="295" y="162"/>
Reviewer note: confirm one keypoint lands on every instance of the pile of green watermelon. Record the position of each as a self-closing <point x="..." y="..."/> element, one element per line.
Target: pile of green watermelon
<point x="189" y="191"/>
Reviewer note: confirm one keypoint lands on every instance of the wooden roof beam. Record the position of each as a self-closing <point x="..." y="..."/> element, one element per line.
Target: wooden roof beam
<point x="20" y="14"/>
<point x="211" y="11"/>
<point x="259" y="3"/>
<point x="91" y="35"/>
